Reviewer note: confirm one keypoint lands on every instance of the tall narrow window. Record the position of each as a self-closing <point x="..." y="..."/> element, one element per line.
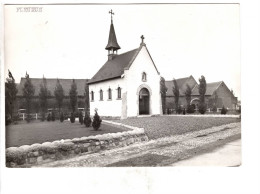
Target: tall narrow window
<point x="109" y="94"/>
<point x="144" y="78"/>
<point x="101" y="94"/>
<point x="118" y="92"/>
<point x="92" y="96"/>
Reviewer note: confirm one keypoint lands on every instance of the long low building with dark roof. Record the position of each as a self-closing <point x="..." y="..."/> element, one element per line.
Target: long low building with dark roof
<point x="51" y="84"/>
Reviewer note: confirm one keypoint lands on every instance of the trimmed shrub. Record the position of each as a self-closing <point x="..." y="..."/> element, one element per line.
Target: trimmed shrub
<point x="239" y="110"/>
<point x="179" y="110"/>
<point x="184" y="111"/>
<point x="87" y="120"/>
<point x="16" y="119"/>
<point x="80" y="118"/>
<point x="72" y="118"/>
<point x="223" y="110"/>
<point x="61" y="117"/>
<point x="202" y="108"/>
<point x="96" y="121"/>
<point x="49" y="117"/>
<point x="214" y="109"/>
<point x="8" y="120"/>
<point x="28" y="118"/>
<point x="52" y="116"/>
<point x="43" y="116"/>
<point x="190" y="109"/>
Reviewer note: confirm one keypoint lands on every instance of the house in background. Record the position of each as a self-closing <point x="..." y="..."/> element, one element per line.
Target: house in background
<point x="220" y="91"/>
<point x="217" y="90"/>
<point x="127" y="85"/>
<point x="182" y="84"/>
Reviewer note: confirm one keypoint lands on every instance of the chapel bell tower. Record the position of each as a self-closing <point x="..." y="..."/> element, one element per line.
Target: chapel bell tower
<point x="112" y="45"/>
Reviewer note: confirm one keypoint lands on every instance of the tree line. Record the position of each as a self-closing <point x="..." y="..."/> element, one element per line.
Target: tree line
<point x="29" y="91"/>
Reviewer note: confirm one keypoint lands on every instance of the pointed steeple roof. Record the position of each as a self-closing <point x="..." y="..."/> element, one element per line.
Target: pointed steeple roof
<point x="112" y="42"/>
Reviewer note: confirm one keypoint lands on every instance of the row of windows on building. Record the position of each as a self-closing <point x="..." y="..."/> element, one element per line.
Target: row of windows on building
<point x="109" y="91"/>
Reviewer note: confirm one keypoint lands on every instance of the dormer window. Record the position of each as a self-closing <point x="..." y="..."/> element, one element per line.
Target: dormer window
<point x="144" y="77"/>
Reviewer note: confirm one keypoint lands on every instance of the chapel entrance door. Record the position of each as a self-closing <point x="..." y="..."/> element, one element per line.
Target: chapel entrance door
<point x="144" y="101"/>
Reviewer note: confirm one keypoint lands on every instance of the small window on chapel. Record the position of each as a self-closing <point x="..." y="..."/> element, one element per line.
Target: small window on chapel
<point x="92" y="96"/>
<point x="109" y="94"/>
<point x="119" y="93"/>
<point x="101" y="94"/>
<point x="144" y="77"/>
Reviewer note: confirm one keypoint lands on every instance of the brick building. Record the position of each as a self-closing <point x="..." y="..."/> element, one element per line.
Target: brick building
<point x="224" y="95"/>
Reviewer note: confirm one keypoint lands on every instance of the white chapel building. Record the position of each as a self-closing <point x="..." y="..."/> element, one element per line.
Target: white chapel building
<point x="127" y="85"/>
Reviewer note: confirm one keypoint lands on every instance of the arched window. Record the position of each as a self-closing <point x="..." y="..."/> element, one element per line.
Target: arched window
<point x="92" y="95"/>
<point x="144" y="77"/>
<point x="109" y="94"/>
<point x="119" y="93"/>
<point x="101" y="94"/>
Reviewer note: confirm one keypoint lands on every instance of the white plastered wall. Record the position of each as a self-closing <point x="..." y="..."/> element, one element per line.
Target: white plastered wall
<point x="133" y="79"/>
<point x="107" y="107"/>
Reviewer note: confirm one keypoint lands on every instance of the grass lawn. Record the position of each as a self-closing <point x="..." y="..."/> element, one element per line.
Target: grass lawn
<point x="39" y="132"/>
<point x="163" y="126"/>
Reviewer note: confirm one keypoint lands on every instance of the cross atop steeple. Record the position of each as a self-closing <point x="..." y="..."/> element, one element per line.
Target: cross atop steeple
<point x="112" y="13"/>
<point x="142" y="37"/>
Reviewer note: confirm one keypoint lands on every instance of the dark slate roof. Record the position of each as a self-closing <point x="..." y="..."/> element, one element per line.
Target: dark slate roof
<point x="51" y="84"/>
<point x="112" y="42"/>
<point x="181" y="82"/>
<point x="115" y="68"/>
<point x="211" y="88"/>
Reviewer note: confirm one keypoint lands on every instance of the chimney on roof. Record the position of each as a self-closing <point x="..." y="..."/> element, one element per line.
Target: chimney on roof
<point x="112" y="45"/>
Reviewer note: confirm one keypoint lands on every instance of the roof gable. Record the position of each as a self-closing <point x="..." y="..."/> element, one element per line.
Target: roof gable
<point x="211" y="88"/>
<point x="141" y="46"/>
<point x="181" y="82"/>
<point x="114" y="68"/>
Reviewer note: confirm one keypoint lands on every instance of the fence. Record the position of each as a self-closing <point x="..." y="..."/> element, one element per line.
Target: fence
<point x="23" y="116"/>
<point x="35" y="116"/>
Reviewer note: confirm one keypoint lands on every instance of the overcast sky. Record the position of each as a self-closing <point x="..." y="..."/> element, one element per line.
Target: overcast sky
<point x="69" y="41"/>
